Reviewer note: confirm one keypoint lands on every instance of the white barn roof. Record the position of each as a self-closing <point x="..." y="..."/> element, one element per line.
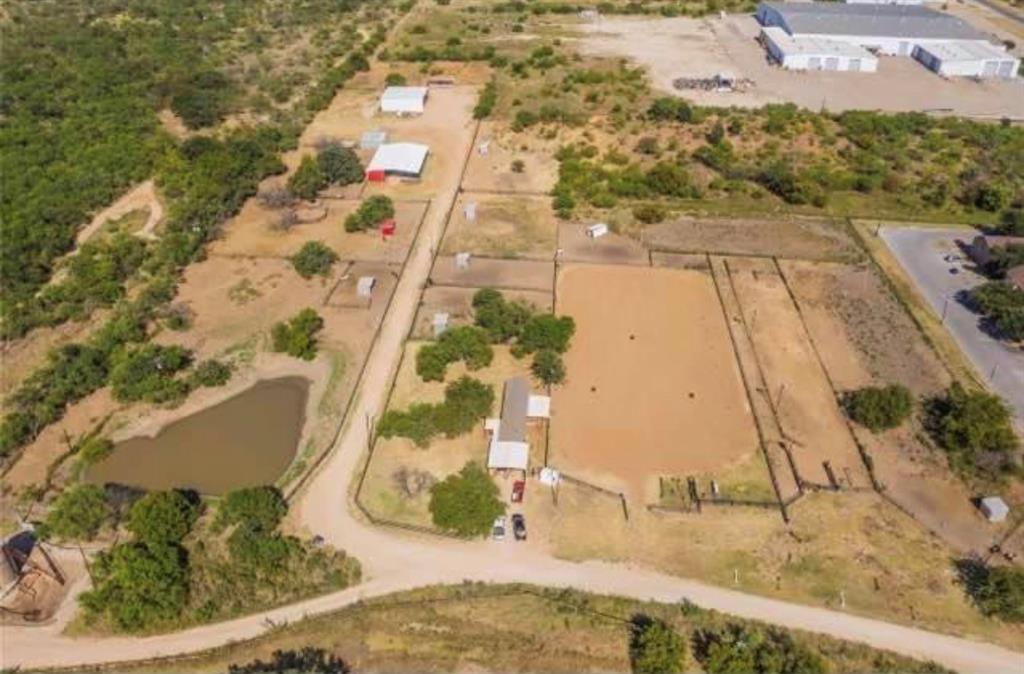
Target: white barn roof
<point x="404" y="158"/>
<point x="958" y="50"/>
<point x="896" y="21"/>
<point x="538" y="407"/>
<point x="810" y="46"/>
<point x="403" y="99"/>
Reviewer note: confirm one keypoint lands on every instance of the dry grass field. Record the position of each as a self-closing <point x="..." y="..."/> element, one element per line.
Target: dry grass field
<point x="491" y="170"/>
<point x="495" y="273"/>
<point x="670" y="401"/>
<point x="518" y="226"/>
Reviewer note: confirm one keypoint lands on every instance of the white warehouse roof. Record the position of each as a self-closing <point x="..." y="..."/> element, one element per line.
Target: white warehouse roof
<point x="404" y="158"/>
<point x="403" y="99"/>
<point x="896" y="21"/>
<point x="959" y="50"/>
<point x="811" y="46"/>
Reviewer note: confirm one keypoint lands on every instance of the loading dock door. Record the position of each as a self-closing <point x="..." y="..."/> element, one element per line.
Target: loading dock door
<point x="831" y="63"/>
<point x="1006" y="69"/>
<point x="904" y="48"/>
<point x="855" y="65"/>
<point x="814" y="63"/>
<point x="990" y="68"/>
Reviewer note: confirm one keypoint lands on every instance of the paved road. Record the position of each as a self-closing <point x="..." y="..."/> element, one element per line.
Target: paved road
<point x="393" y="562"/>
<point x="920" y="252"/>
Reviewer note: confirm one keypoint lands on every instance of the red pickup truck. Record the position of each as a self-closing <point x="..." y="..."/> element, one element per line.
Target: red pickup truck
<point x="518" y="489"/>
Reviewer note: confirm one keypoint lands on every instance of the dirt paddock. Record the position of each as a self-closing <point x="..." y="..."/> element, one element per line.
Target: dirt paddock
<point x="494" y="273"/>
<point x="670" y="403"/>
<point x="457" y="303"/>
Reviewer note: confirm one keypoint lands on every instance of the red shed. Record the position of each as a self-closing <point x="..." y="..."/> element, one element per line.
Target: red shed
<point x="387" y="227"/>
<point x="376" y="175"/>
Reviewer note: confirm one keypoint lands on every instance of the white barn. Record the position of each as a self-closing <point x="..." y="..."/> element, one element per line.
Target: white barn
<point x="404" y="100"/>
<point x="508" y="448"/>
<point x="884" y="28"/>
<point x="402" y="159"/>
<point x="809" y="53"/>
<point x="967" y="59"/>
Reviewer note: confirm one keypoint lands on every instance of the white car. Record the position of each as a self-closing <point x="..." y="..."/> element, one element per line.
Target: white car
<point x="498" y="531"/>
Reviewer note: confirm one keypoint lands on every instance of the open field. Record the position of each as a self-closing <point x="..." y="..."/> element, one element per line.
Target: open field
<point x="494" y="273"/>
<point x="670" y="402"/>
<point x="705" y="47"/>
<point x="457" y="303"/>
<point x="520" y="227"/>
<point x="803" y="399"/>
<point x="389" y="495"/>
<point x="254" y="233"/>
<point x="795" y="237"/>
<point x="491" y="171"/>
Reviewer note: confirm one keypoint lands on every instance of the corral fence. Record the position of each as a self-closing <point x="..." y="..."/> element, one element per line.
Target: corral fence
<point x="599" y="489"/>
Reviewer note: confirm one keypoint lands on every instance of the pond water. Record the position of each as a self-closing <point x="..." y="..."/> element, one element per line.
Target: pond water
<point x="245" y="441"/>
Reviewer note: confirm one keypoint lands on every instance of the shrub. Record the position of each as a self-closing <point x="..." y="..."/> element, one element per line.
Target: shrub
<point x="259" y="508"/>
<point x="738" y="648"/>
<point x="138" y="587"/>
<point x="879" y="408"/>
<point x="546" y="332"/>
<point x="77" y="514"/>
<point x="339" y="165"/>
<point x="94" y="449"/>
<point x="1000" y="592"/>
<point x="309" y="660"/>
<point x="162" y="517"/>
<point x="1003" y="305"/>
<point x="297" y="337"/>
<point x="649" y="214"/>
<point x="370" y="213"/>
<point x="202" y="99"/>
<point x="466" y="503"/>
<point x="548" y="367"/>
<point x="314" y="258"/>
<point x="654" y="647"/>
<point x="518" y="166"/>
<point x="467" y="343"/>
<point x="211" y="373"/>
<point x="670" y="108"/>
<point x="1011" y="222"/>
<point x="308" y="179"/>
<point x="148" y="373"/>
<point x="397" y="79"/>
<point x="485" y="104"/>
<point x="971" y="423"/>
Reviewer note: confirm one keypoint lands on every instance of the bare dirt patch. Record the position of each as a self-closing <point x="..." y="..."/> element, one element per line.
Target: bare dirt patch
<point x="803" y="399"/>
<point x="485" y="272"/>
<point x="612" y="248"/>
<point x="806" y="238"/>
<point x="490" y="168"/>
<point x="670" y="402"/>
<point x="457" y="303"/>
<point x="255" y="233"/>
<point x="503" y="226"/>
<point x="142" y="197"/>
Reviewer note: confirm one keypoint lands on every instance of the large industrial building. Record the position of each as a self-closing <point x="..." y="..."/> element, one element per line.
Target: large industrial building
<point x="946" y="44"/>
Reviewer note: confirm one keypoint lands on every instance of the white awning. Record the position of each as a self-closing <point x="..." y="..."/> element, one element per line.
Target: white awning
<point x="538" y="407"/>
<point x="514" y="455"/>
<point x="404" y="158"/>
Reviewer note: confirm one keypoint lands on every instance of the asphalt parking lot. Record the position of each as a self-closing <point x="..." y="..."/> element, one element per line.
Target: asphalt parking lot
<point x="921" y="253"/>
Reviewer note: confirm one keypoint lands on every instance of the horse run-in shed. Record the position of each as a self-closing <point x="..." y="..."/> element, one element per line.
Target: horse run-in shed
<point x="401" y="159"/>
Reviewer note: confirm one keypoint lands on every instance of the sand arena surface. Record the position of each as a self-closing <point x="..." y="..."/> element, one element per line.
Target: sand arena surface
<point x="653" y="385"/>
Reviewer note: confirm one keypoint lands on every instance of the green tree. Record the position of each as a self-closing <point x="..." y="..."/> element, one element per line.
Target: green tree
<point x="94" y="449"/>
<point x="649" y="214"/>
<point x="738" y="649"/>
<point x="308" y="179"/>
<point x="548" y="367"/>
<point x="370" y="213"/>
<point x="879" y="408"/>
<point x="1011" y="223"/>
<point x="503" y="320"/>
<point x="148" y="373"/>
<point x="314" y="258"/>
<point x="260" y="508"/>
<point x="297" y="337"/>
<point x="654" y="647"/>
<point x="1000" y="592"/>
<point x="211" y="373"/>
<point x="309" y="660"/>
<point x="466" y="401"/>
<point x="77" y="514"/>
<point x="466" y="503"/>
<point x="969" y="423"/>
<point x="162" y="517"/>
<point x="467" y="343"/>
<point x="340" y="165"/>
<point x="546" y="331"/>
<point x="138" y="587"/>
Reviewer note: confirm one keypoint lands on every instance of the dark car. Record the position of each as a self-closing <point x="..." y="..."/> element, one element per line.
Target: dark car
<point x="519" y="527"/>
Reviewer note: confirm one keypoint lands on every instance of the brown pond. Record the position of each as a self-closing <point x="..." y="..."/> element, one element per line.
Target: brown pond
<point x="245" y="441"/>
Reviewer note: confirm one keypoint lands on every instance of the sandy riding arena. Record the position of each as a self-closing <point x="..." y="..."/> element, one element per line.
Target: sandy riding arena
<point x="653" y="386"/>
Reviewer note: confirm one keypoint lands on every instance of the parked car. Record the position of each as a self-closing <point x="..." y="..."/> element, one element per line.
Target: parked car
<point x="518" y="488"/>
<point x="519" y="527"/>
<point x="498" y="531"/>
<point x="954" y="270"/>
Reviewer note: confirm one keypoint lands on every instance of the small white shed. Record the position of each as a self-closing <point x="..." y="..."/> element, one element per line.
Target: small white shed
<point x="469" y="211"/>
<point x="994" y="508"/>
<point x="404" y="100"/>
<point x="440" y="323"/>
<point x="963" y="58"/>
<point x="598" y="230"/>
<point x="364" y="287"/>
<point x="462" y="260"/>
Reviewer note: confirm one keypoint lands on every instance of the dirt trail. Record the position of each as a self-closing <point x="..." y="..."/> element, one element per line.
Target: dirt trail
<point x="139" y="197"/>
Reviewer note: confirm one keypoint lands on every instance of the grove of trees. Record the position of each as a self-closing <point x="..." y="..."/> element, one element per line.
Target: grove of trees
<point x="466" y="401"/>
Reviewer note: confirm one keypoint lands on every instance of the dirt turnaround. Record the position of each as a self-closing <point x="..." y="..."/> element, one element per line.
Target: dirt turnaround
<point x="653" y="386"/>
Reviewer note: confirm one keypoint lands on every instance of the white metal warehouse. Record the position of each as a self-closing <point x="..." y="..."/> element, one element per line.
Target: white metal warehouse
<point x="404" y="100"/>
<point x="967" y="59"/>
<point x="809" y="53"/>
<point x="402" y="159"/>
<point x="887" y="29"/>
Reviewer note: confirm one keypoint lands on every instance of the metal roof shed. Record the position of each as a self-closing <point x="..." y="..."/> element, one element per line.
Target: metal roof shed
<point x="404" y="159"/>
<point x="364" y="287"/>
<point x="404" y="100"/>
<point x="994" y="508"/>
<point x="958" y="58"/>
